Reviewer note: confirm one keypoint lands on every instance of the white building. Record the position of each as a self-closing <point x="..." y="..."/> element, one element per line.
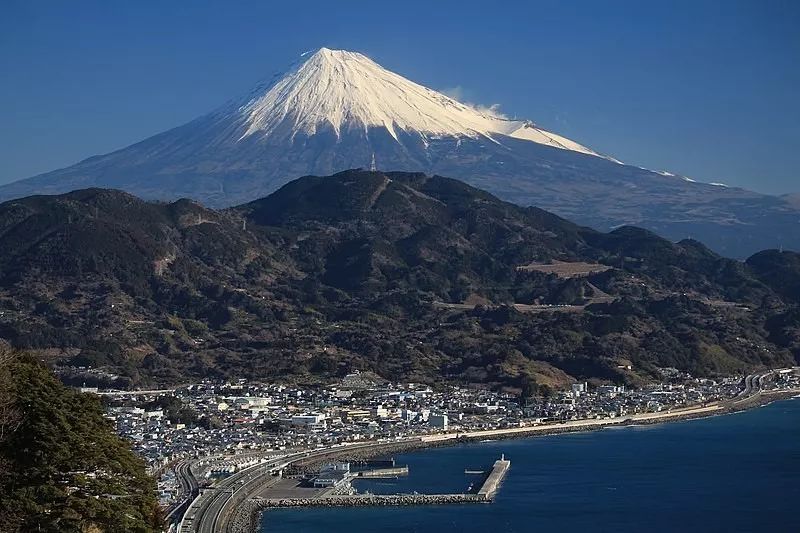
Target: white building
<point x="311" y="419"/>
<point x="578" y="389"/>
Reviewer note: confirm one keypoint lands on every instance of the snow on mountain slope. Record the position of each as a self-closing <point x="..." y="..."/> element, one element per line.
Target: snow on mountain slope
<point x="338" y="110"/>
<point x="347" y="90"/>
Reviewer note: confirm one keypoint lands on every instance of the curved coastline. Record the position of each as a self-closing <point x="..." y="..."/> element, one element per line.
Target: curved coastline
<point x="254" y="517"/>
<point x="578" y="426"/>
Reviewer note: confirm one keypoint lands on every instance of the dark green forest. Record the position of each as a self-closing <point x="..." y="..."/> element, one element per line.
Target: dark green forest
<point x="62" y="466"/>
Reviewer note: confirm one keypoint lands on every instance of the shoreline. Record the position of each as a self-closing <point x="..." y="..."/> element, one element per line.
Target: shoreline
<point x="691" y="413"/>
<point x="579" y="426"/>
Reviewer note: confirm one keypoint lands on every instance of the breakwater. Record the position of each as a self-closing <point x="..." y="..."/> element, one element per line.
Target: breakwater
<point x="248" y="515"/>
<point x="494" y="478"/>
<point x="373" y="500"/>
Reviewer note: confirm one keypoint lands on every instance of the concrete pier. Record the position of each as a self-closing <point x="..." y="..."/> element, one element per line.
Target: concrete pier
<point x="495" y="477"/>
<point x="382" y="473"/>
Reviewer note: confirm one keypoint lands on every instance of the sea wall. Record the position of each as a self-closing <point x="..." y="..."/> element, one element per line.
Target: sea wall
<point x="372" y="500"/>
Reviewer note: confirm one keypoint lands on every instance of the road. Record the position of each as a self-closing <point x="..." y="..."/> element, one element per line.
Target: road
<point x="753" y="386"/>
<point x="189" y="490"/>
<point x="153" y="392"/>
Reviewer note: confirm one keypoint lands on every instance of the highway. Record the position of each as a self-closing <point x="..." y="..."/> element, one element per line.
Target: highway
<point x="189" y="490"/>
<point x="753" y="385"/>
<point x="208" y="512"/>
<point x="190" y="487"/>
<point x="153" y="392"/>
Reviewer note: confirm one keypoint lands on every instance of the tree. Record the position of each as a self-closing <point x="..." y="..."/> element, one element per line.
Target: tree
<point x="66" y="469"/>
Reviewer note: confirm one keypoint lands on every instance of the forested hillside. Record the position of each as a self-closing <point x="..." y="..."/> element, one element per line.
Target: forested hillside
<point x="410" y="276"/>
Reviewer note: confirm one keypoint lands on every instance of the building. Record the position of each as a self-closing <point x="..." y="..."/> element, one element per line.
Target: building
<point x="332" y="475"/>
<point x="438" y="421"/>
<point x="380" y="412"/>
<point x="407" y="415"/>
<point x="309" y="420"/>
<point x="578" y="389"/>
<point x="484" y="408"/>
<point x="329" y="478"/>
<point x="355" y="414"/>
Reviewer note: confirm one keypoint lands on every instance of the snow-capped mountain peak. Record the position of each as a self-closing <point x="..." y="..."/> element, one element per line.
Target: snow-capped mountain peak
<point x="336" y="110"/>
<point x="347" y="91"/>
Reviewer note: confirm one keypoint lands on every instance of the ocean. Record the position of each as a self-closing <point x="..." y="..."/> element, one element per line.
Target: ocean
<point x="738" y="472"/>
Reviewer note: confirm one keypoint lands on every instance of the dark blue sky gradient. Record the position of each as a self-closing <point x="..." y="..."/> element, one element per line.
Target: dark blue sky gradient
<point x="709" y="89"/>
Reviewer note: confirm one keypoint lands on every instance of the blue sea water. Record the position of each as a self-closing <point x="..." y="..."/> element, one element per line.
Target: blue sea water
<point x="738" y="472"/>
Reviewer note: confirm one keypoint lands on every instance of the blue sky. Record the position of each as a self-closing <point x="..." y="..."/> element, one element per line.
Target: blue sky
<point x="708" y="89"/>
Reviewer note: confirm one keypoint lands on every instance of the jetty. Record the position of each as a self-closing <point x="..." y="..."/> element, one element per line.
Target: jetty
<point x="382" y="473"/>
<point x="495" y="477"/>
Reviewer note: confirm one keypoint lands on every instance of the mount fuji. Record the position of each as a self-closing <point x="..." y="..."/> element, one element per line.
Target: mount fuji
<point x="334" y="110"/>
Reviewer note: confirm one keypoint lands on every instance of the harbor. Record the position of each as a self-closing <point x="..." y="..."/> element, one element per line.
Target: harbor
<point x="332" y="485"/>
<point x="600" y="472"/>
<point x="294" y="480"/>
<point x="308" y="491"/>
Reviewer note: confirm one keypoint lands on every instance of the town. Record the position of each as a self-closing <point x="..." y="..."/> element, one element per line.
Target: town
<point x="239" y="422"/>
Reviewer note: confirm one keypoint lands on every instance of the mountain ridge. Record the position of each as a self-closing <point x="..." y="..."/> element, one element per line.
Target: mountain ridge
<point x="410" y="276"/>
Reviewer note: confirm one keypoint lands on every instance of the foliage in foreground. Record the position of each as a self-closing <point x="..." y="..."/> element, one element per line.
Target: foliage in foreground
<point x="62" y="466"/>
